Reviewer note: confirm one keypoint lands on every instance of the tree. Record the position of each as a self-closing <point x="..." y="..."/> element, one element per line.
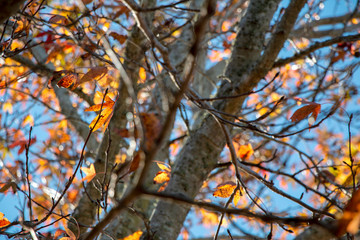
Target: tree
<point x="125" y="118"/>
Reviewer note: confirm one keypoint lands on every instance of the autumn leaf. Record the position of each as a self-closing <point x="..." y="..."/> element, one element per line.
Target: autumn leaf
<point x="152" y="128"/>
<point x="7" y="107"/>
<point x="28" y="120"/>
<point x="236" y="197"/>
<point x="105" y="114"/>
<point x="89" y="172"/>
<point x="303" y="112"/>
<point x="245" y="151"/>
<point x="3" y="221"/>
<point x="225" y="190"/>
<point x="22" y="144"/>
<point x="68" y="80"/>
<point x="6" y="187"/>
<point x="94" y="73"/>
<point x="142" y="74"/>
<point x="162" y="176"/>
<point x="135" y="236"/>
<point x="70" y="234"/>
<point x="58" y="19"/>
<point x="136" y="161"/>
<point x="350" y="220"/>
<point x="120" y="38"/>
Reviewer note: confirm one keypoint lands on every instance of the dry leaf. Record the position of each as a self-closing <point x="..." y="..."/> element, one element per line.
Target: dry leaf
<point x="58" y="19"/>
<point x="68" y="80"/>
<point x="120" y="38"/>
<point x="225" y="190"/>
<point x="136" y="161"/>
<point x="95" y="73"/>
<point x="312" y="108"/>
<point x="89" y="172"/>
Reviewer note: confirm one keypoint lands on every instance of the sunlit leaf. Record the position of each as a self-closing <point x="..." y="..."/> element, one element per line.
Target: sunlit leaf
<point x="28" y="120"/>
<point x="225" y="190"/>
<point x="245" y="151"/>
<point x="142" y="74"/>
<point x="105" y="115"/>
<point x="68" y="80"/>
<point x="3" y="221"/>
<point x="236" y="197"/>
<point x="89" y="172"/>
<point x="134" y="236"/>
<point x="7" y="107"/>
<point x="162" y="177"/>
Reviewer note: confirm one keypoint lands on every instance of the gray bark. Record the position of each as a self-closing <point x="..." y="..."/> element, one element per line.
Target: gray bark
<point x="199" y="154"/>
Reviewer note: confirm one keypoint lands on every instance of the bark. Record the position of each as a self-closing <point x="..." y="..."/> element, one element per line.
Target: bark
<point x="9" y="8"/>
<point x="199" y="154"/>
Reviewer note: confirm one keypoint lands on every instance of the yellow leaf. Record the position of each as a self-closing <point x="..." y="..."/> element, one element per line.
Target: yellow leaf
<point x="28" y="120"/>
<point x="236" y="198"/>
<point x="142" y="74"/>
<point x="134" y="236"/>
<point x="163" y="167"/>
<point x="105" y="115"/>
<point x="162" y="177"/>
<point x="7" y="107"/>
<point x="89" y="172"/>
<point x="225" y="190"/>
<point x="245" y="151"/>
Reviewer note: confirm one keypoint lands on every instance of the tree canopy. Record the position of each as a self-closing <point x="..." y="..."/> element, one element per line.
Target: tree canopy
<point x="191" y="119"/>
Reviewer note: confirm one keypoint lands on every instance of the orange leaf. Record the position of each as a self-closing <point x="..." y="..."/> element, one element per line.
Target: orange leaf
<point x="142" y="74"/>
<point x="162" y="177"/>
<point x="105" y="115"/>
<point x="89" y="172"/>
<point x="236" y="197"/>
<point x="68" y="80"/>
<point x="70" y="233"/>
<point x="245" y="151"/>
<point x="312" y="108"/>
<point x="349" y="222"/>
<point x="94" y="73"/>
<point x="58" y="19"/>
<point x="163" y="167"/>
<point x="121" y="38"/>
<point x="225" y="190"/>
<point x="134" y="236"/>
<point x="3" y="221"/>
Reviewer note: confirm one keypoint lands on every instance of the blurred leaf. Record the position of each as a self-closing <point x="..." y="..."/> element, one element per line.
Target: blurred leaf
<point x="134" y="236"/>
<point x="89" y="172"/>
<point x="350" y="220"/>
<point x="225" y="190"/>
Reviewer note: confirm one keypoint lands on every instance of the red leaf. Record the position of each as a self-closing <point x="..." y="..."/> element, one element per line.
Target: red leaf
<point x="303" y="112"/>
